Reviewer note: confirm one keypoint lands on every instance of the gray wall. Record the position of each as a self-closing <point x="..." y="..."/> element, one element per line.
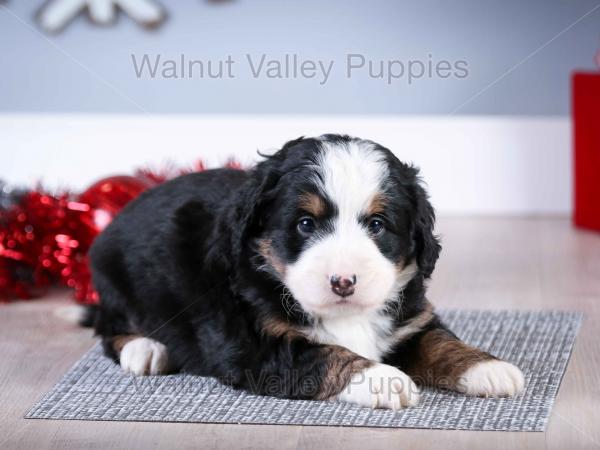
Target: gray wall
<point x="90" y="69"/>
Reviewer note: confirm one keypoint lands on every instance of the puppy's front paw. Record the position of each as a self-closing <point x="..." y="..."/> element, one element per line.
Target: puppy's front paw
<point x="492" y="378"/>
<point x="143" y="356"/>
<point x="381" y="386"/>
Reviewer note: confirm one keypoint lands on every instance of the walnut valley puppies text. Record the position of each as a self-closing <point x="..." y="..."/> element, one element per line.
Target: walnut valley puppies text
<point x="294" y="67"/>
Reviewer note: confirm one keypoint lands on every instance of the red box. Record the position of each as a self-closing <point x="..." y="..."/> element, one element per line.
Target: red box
<point x="586" y="136"/>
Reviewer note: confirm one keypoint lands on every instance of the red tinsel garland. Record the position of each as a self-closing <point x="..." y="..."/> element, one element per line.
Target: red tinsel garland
<point x="44" y="237"/>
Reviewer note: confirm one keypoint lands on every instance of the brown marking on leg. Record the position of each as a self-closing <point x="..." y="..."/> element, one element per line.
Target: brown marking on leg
<point x="312" y="204"/>
<point x="341" y="365"/>
<point x="442" y="359"/>
<point x="119" y="341"/>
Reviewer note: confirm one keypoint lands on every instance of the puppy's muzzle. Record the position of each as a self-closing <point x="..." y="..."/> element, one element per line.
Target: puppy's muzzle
<point x="342" y="286"/>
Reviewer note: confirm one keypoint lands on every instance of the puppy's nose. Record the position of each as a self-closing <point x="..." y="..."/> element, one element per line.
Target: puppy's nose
<point x="343" y="286"/>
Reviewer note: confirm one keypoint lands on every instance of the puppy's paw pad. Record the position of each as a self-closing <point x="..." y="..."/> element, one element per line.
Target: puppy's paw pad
<point x="492" y="378"/>
<point x="381" y="386"/>
<point x="143" y="356"/>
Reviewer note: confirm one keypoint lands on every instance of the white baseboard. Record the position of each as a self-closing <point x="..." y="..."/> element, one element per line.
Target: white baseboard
<point x="472" y="165"/>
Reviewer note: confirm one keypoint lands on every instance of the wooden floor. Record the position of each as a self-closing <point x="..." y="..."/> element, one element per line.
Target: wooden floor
<point x="486" y="263"/>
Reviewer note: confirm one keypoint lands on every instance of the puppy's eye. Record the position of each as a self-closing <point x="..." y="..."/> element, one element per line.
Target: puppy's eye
<point x="306" y="225"/>
<point x="376" y="226"/>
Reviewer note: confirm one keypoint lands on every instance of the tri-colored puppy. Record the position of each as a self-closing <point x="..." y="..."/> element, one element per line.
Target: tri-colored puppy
<point x="301" y="278"/>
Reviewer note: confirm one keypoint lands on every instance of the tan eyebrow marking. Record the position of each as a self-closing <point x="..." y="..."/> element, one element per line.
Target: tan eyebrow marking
<point x="312" y="204"/>
<point x="377" y="205"/>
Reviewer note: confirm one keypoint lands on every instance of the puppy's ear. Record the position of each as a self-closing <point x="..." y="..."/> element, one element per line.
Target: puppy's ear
<point x="249" y="206"/>
<point x="252" y="201"/>
<point x="257" y="192"/>
<point x="427" y="245"/>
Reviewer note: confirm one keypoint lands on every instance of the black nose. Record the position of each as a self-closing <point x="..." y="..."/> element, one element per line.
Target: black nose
<point x="342" y="286"/>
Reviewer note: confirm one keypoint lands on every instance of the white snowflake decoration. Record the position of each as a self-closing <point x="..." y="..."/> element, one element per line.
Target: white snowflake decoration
<point x="56" y="14"/>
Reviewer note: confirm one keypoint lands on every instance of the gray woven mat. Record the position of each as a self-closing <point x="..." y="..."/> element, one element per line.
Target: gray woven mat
<point x="539" y="343"/>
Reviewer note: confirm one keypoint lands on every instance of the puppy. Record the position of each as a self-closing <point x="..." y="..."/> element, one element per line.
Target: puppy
<point x="302" y="278"/>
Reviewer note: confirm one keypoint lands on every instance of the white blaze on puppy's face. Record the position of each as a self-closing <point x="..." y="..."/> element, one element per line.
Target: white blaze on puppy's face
<point x="350" y="177"/>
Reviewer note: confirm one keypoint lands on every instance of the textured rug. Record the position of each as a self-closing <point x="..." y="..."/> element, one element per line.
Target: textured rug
<point x="540" y="343"/>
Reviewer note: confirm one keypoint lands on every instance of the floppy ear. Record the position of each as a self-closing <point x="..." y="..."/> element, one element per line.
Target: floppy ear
<point x="427" y="245"/>
<point x="254" y="194"/>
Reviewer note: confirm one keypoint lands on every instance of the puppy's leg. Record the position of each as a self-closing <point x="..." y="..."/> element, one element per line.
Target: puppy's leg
<point x="140" y="355"/>
<point x="440" y="359"/>
<point x="296" y="367"/>
<point x="114" y="317"/>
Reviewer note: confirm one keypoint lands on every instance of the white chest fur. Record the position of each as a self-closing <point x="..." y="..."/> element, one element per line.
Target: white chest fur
<point x="363" y="334"/>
